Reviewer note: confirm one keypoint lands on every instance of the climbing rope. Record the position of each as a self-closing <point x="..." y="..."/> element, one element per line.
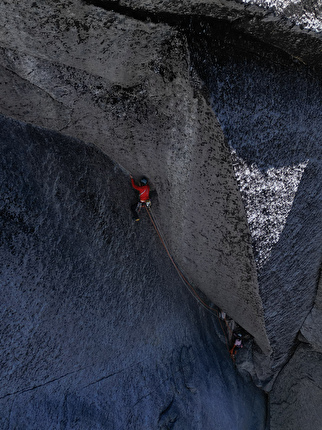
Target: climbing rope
<point x="184" y="279"/>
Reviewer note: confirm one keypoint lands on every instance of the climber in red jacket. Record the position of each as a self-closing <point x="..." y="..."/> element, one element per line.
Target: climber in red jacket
<point x="144" y="190"/>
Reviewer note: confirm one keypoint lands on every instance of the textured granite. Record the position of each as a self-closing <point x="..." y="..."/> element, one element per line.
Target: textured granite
<point x="295" y="27"/>
<point x="125" y="85"/>
<point x="97" y="330"/>
<point x="295" y="401"/>
<point x="271" y="115"/>
<point x="311" y="328"/>
<point x="124" y="76"/>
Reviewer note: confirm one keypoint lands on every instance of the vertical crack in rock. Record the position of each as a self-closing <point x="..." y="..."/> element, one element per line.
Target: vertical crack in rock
<point x="168" y="416"/>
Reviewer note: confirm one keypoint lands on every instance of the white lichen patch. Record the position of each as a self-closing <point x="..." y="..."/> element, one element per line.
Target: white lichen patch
<point x="268" y="198"/>
<point x="302" y="13"/>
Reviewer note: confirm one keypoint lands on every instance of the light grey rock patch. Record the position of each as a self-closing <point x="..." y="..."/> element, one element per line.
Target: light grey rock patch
<point x="268" y="198"/>
<point x="307" y="14"/>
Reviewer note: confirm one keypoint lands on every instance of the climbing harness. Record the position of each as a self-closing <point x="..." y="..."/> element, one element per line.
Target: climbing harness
<point x="185" y="281"/>
<point x="147" y="204"/>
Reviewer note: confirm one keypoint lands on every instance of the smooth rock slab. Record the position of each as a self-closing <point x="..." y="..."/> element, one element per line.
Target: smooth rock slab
<point x="97" y="330"/>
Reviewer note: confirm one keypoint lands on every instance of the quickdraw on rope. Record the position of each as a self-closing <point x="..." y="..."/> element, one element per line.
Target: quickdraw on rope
<point x="184" y="279"/>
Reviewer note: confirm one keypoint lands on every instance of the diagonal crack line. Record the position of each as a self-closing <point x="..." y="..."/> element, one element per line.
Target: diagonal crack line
<point x="103" y="378"/>
<point x="33" y="84"/>
<point x="114" y="373"/>
<point x="25" y="390"/>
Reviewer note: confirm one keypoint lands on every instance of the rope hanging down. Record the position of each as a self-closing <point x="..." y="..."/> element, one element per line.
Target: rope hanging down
<point x="184" y="279"/>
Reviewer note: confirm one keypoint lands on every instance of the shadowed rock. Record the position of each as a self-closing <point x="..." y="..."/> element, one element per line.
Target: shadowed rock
<point x="97" y="330"/>
<point x="297" y="394"/>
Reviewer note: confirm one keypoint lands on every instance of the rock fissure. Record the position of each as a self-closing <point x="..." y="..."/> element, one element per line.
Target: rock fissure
<point x="43" y="89"/>
<point x="103" y="378"/>
<point x="113" y="374"/>
<point x="25" y="390"/>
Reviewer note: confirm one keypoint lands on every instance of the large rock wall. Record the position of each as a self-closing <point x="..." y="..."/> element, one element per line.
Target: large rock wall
<point x="297" y="394"/>
<point x="97" y="330"/>
<point x="270" y="113"/>
<point x="125" y="86"/>
<point x="271" y="116"/>
<point x="124" y="80"/>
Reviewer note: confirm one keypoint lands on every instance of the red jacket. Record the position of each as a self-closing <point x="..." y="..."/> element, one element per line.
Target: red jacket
<point x="144" y="191"/>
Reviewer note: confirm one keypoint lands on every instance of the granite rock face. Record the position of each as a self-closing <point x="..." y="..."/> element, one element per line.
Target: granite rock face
<point x="97" y="330"/>
<point x="271" y="116"/>
<point x="126" y="86"/>
<point x="270" y="113"/>
<point x="311" y="329"/>
<point x="295" y="401"/>
<point x="297" y="393"/>
<point x="219" y="104"/>
<point x="293" y="27"/>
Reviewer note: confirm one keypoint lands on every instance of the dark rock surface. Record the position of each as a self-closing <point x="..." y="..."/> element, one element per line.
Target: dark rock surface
<point x="97" y="330"/>
<point x="295" y="402"/>
<point x="297" y="394"/>
<point x="311" y="329"/>
<point x="271" y="115"/>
